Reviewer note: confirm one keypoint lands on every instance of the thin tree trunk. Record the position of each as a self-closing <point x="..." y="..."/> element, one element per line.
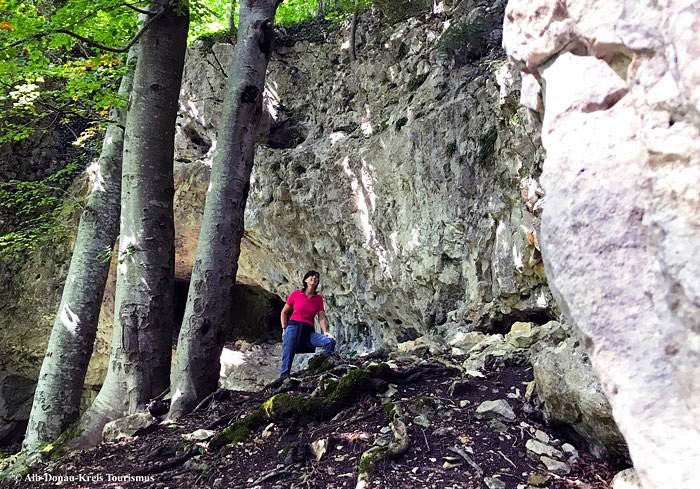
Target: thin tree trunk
<point x="353" y="32"/>
<point x="196" y="369"/>
<point x="139" y="364"/>
<point x="57" y="398"/>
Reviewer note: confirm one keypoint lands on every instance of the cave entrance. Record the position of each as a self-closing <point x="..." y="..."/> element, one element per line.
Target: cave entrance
<point x="255" y="315"/>
<point x="503" y="322"/>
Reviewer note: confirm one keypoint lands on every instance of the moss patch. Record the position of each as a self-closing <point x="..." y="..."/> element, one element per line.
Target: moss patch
<point x="339" y="395"/>
<point x="370" y="458"/>
<point x="320" y="363"/>
<point x="424" y="402"/>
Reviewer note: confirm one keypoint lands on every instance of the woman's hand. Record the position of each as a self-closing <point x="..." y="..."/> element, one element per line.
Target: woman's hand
<point x="284" y="315"/>
<point x="324" y="324"/>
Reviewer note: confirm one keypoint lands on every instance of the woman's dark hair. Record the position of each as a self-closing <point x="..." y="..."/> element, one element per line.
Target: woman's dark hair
<point x="307" y="275"/>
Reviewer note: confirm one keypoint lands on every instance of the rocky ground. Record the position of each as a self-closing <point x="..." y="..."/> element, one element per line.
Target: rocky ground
<point x="463" y="429"/>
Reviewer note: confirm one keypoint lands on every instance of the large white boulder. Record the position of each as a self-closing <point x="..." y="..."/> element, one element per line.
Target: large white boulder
<point x="621" y="95"/>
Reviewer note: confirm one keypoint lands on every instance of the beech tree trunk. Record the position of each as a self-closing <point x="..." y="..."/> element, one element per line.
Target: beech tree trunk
<point x="139" y="365"/>
<point x="57" y="397"/>
<point x="196" y="369"/>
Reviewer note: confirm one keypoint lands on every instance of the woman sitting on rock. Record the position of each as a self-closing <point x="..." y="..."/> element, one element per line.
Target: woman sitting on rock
<point x="298" y="332"/>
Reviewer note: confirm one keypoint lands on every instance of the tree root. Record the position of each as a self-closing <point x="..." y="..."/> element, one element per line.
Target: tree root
<point x="169" y="464"/>
<point x="220" y="421"/>
<point x="468" y="459"/>
<point x="334" y="396"/>
<point x="273" y="474"/>
<point x="394" y="450"/>
<point x="204" y="403"/>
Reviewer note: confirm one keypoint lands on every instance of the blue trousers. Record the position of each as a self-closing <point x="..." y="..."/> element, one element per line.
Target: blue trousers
<point x="301" y="338"/>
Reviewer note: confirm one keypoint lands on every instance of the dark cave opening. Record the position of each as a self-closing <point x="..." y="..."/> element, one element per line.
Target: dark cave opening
<point x="255" y="312"/>
<point x="503" y="322"/>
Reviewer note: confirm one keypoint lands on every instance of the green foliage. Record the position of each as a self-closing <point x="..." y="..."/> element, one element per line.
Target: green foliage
<point x="208" y="17"/>
<point x="130" y="250"/>
<point x="415" y="82"/>
<point x="342" y="9"/>
<point x="293" y="11"/>
<point x="105" y="256"/>
<point x="40" y="207"/>
<point x="48" y="79"/>
<point x="296" y="11"/>
<point x="472" y="37"/>
<point x="209" y="39"/>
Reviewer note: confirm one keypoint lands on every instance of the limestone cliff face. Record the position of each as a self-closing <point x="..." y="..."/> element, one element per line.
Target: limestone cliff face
<point x="399" y="176"/>
<point x="621" y="129"/>
<point x="406" y="177"/>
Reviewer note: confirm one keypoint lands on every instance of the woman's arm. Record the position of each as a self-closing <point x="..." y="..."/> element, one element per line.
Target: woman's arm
<point x="284" y="316"/>
<point x="324" y="324"/>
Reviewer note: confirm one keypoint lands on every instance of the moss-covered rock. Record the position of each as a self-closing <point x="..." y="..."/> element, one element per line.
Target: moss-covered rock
<point x="320" y="363"/>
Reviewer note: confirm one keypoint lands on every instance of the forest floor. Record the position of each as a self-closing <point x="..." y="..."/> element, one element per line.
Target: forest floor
<point x="452" y="444"/>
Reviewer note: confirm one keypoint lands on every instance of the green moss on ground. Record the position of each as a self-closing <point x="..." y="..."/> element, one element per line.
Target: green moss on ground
<point x="339" y="395"/>
<point x="370" y="458"/>
<point x="424" y="402"/>
<point x="320" y="363"/>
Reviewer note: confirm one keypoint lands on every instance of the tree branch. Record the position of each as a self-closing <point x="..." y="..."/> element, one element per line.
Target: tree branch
<point x="90" y="42"/>
<point x="136" y="9"/>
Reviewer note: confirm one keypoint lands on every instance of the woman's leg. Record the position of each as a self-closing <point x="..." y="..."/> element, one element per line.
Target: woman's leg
<point x="289" y="345"/>
<point x="322" y="341"/>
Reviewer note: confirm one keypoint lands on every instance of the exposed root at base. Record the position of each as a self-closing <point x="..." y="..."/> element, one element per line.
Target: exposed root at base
<point x="398" y="445"/>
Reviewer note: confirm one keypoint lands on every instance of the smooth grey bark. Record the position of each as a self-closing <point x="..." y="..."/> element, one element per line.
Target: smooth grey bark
<point x="139" y="365"/>
<point x="196" y="368"/>
<point x="57" y="397"/>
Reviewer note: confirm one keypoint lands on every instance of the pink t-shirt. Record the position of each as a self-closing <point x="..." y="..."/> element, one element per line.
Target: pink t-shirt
<point x="305" y="309"/>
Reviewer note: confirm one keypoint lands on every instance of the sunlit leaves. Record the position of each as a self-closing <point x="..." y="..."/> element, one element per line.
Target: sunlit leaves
<point x="210" y="16"/>
<point x="74" y="71"/>
<point x="291" y="11"/>
<point x="23" y="96"/>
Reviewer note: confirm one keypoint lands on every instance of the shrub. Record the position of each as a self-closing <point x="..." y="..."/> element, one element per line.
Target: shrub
<point x="397" y="10"/>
